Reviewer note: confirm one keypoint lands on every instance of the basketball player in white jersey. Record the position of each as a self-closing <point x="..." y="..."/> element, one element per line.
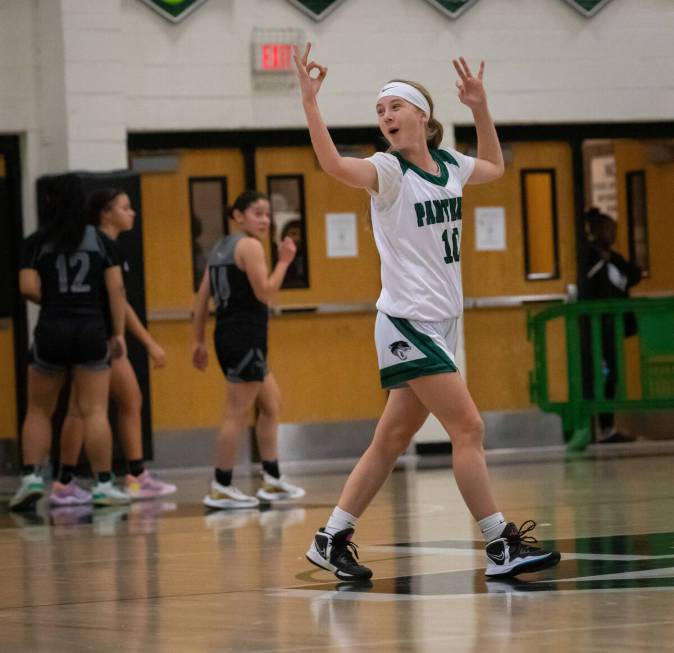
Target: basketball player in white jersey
<point x="415" y="191"/>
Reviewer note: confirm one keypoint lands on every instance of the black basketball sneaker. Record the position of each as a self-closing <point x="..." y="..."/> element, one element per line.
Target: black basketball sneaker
<point x="513" y="553"/>
<point x="336" y="554"/>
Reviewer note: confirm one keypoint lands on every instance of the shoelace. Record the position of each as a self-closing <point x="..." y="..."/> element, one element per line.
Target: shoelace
<point x="522" y="536"/>
<point x="351" y="549"/>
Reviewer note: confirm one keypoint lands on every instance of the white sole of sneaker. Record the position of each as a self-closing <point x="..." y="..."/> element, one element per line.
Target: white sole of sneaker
<point x="229" y="504"/>
<point x="522" y="566"/>
<point x="146" y="497"/>
<point x="70" y="501"/>
<point x="278" y="496"/>
<point x="315" y="558"/>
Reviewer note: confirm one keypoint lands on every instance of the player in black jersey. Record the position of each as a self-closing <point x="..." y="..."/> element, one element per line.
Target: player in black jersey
<point x="65" y="268"/>
<point x="110" y="209"/>
<point x="238" y="279"/>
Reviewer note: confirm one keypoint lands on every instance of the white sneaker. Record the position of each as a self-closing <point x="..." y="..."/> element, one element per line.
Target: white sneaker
<point x="228" y="497"/>
<point x="277" y="489"/>
<point x="108" y="494"/>
<point x="29" y="493"/>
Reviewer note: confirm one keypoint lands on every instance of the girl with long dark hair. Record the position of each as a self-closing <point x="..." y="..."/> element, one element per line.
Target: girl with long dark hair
<point x="110" y="209"/>
<point x="67" y="267"/>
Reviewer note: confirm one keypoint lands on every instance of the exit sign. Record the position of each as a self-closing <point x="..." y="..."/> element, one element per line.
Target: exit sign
<point x="275" y="57"/>
<point x="272" y="62"/>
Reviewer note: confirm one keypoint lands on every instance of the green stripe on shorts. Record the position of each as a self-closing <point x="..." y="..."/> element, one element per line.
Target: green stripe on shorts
<point x="436" y="361"/>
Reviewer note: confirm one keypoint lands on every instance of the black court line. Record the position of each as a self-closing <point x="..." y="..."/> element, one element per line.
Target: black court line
<point x="603" y="568"/>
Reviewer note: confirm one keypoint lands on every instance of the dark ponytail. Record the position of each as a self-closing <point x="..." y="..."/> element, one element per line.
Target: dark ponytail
<point x="243" y="201"/>
<point x="64" y="214"/>
<point x="99" y="201"/>
<point x="594" y="218"/>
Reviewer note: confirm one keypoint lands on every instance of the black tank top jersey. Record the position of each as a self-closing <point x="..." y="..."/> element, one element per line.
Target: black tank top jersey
<point x="71" y="284"/>
<point x="230" y="288"/>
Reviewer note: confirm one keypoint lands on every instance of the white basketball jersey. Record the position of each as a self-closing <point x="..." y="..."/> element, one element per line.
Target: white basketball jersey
<point x="416" y="217"/>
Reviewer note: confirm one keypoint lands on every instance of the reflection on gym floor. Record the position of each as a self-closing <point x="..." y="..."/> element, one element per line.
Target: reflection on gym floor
<point x="166" y="576"/>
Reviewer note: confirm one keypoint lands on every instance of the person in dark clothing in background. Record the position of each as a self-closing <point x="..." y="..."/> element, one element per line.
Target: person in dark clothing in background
<point x="605" y="275"/>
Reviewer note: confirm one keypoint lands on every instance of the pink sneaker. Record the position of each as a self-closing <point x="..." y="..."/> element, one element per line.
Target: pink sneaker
<point x="147" y="487"/>
<point x="68" y="495"/>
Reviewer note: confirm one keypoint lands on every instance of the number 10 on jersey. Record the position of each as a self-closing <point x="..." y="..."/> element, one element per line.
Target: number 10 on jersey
<point x="451" y="249"/>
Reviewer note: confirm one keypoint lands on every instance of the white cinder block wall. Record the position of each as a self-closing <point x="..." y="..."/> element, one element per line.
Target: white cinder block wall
<point x="76" y="75"/>
<point x="545" y="61"/>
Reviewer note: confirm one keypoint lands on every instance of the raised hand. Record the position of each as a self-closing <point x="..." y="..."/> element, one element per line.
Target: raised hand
<point x="308" y="85"/>
<point x="287" y="250"/>
<point x="471" y="90"/>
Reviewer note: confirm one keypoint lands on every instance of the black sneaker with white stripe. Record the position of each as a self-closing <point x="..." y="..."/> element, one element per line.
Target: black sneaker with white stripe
<point x="512" y="553"/>
<point x="336" y="554"/>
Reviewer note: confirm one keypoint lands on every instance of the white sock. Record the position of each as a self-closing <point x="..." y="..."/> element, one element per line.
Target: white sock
<point x="491" y="527"/>
<point x="339" y="520"/>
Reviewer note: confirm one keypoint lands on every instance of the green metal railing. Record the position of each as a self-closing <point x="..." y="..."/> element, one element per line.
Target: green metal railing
<point x="655" y="332"/>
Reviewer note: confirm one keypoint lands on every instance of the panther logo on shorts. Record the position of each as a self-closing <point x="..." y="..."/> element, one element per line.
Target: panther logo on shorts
<point x="400" y="349"/>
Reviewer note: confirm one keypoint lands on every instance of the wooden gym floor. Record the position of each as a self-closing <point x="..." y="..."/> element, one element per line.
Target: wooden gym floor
<point x="163" y="576"/>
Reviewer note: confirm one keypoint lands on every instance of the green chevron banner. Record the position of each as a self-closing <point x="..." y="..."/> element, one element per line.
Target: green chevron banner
<point x="316" y="9"/>
<point x="588" y="7"/>
<point x="174" y="10"/>
<point x="452" y="8"/>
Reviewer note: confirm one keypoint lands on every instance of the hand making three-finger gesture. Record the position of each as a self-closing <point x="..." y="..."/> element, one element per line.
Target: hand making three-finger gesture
<point x="471" y="90"/>
<point x="308" y="85"/>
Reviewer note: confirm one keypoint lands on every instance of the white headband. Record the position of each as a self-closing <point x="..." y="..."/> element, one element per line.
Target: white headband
<point x="406" y="92"/>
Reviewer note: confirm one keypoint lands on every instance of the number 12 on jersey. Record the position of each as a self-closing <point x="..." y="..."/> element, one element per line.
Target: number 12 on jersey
<point x="451" y="249"/>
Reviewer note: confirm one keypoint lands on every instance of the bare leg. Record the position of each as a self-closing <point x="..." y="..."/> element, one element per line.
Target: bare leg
<point x="92" y="398"/>
<point x="126" y="392"/>
<point x="72" y="432"/>
<point x="240" y="400"/>
<point x="266" y="428"/>
<point x="447" y="397"/>
<point x="43" y="393"/>
<point x="403" y="416"/>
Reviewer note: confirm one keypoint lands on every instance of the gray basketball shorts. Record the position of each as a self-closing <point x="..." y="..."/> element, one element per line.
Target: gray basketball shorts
<point x="408" y="349"/>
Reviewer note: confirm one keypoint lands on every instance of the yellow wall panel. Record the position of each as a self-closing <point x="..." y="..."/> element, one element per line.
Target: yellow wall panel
<point x="183" y="397"/>
<point x="631" y="155"/>
<point x="8" y="422"/>
<point x="501" y="273"/>
<point x="540" y="223"/>
<point x="167" y="237"/>
<point x="499" y="358"/>
<point x="326" y="366"/>
<point x="332" y="280"/>
<point x="498" y="355"/>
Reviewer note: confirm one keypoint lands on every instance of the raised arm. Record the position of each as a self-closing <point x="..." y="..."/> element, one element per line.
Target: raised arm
<point x="250" y="257"/>
<point x="349" y="170"/>
<point x="489" y="163"/>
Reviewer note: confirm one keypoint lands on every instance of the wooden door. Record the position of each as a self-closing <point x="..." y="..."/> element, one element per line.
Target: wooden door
<point x="326" y="362"/>
<point x="181" y="396"/>
<point x="8" y="416"/>
<point x="537" y="186"/>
